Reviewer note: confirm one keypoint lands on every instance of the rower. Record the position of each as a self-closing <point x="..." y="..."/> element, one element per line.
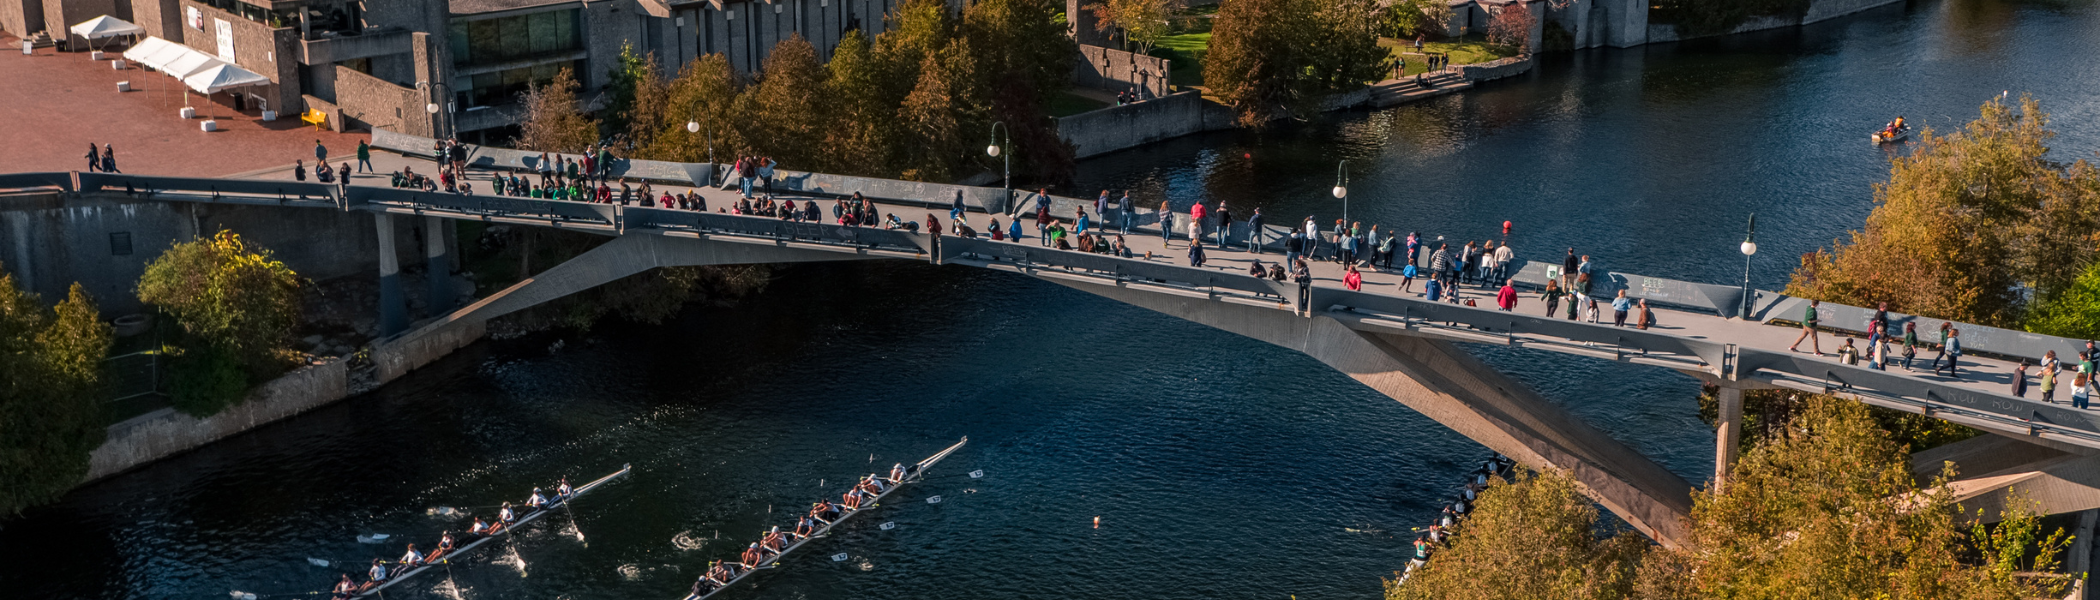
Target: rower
<point x="479" y="527"/>
<point x="852" y="499"/>
<point x="537" y="500"/>
<point x="505" y="515"/>
<point x="752" y="556"/>
<point x="704" y="586"/>
<point x="345" y="588"/>
<point x="773" y="541"/>
<point x="412" y="558"/>
<point x="805" y="528"/>
<point x="817" y="510"/>
<point x="445" y="545"/>
<point x="378" y="572"/>
<point x="876" y="483"/>
<point x="897" y="473"/>
<point x="719" y="573"/>
<point x="563" y="490"/>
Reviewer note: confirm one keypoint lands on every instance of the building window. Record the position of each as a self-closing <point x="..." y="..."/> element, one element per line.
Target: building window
<point x="502" y="87"/>
<point x="120" y="244"/>
<point x="506" y="39"/>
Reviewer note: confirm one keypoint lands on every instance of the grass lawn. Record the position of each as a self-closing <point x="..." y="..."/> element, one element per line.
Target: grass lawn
<point x="1186" y="50"/>
<point x="1464" y="51"/>
<point x="1066" y="104"/>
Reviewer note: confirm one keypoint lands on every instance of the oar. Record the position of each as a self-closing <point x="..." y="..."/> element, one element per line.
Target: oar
<point x="573" y="521"/>
<point x="240" y="595"/>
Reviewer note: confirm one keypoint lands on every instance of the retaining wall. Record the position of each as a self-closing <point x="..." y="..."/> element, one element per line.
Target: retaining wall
<point x="165" y="432"/>
<point x="1115" y="128"/>
<point x="1494" y="69"/>
<point x="1119" y="71"/>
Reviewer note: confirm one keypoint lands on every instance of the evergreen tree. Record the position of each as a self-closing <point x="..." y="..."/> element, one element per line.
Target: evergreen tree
<point x="860" y="94"/>
<point x="787" y="110"/>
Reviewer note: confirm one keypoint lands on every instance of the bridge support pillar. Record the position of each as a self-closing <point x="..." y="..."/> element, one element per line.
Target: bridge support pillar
<point x="393" y="307"/>
<point x="1728" y="434"/>
<point x="439" y="272"/>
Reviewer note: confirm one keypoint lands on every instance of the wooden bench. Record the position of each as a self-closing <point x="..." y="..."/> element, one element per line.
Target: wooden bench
<point x="315" y="116"/>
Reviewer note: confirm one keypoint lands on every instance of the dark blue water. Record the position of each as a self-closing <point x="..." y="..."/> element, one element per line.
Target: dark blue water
<point x="1221" y="467"/>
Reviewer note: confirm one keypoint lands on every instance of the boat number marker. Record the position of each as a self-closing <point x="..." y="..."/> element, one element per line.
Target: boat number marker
<point x="934" y="500"/>
<point x="840" y="557"/>
<point x="977" y="474"/>
<point x="888" y="526"/>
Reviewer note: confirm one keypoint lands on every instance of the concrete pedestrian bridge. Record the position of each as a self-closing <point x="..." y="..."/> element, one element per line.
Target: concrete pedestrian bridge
<point x="1394" y="342"/>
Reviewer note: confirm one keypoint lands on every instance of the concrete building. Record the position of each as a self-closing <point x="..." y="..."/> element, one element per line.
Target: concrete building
<point x="386" y="63"/>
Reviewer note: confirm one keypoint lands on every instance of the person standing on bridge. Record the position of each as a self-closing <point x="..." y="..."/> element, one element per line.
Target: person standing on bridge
<point x="2047" y="373"/>
<point x="956" y="208"/>
<point x="1808" y="332"/>
<point x="1353" y="279"/>
<point x="1952" y="348"/>
<point x="1507" y="297"/>
<point x="1196" y="256"/>
<point x="2019" y="382"/>
<point x="1310" y="249"/>
<point x="1196" y="214"/>
<point x="1567" y="270"/>
<point x="1166" y="223"/>
<point x="1255" y="232"/>
<point x="1503" y="257"/>
<point x="320" y="152"/>
<point x="1620" y="305"/>
<point x="1124" y="214"/>
<point x="1303" y="275"/>
<point x="364" y="157"/>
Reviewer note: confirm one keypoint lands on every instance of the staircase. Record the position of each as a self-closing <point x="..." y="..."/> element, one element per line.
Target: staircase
<point x="42" y="39"/>
<point x="1401" y="91"/>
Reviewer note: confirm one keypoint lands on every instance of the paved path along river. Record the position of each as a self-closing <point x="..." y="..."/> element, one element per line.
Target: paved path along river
<point x="1223" y="469"/>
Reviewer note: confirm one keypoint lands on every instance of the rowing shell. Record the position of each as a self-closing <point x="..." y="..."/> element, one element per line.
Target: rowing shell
<point x="913" y="472"/>
<point x="529" y="517"/>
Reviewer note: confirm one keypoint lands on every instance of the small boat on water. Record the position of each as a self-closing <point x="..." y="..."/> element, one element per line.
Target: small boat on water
<point x="913" y="472"/>
<point x="1884" y="137"/>
<point x="525" y="515"/>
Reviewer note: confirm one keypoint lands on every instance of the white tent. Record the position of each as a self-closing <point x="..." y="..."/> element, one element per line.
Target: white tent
<point x="167" y="53"/>
<point x="221" y="77"/>
<point x="190" y="63"/>
<point x="106" y="26"/>
<point x="141" y="51"/>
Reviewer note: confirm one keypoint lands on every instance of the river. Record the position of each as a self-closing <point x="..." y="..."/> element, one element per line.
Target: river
<point x="1220" y="467"/>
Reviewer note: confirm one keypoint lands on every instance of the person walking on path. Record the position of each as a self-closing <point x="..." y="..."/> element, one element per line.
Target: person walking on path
<point x="1552" y="296"/>
<point x="1910" y="344"/>
<point x="1311" y="248"/>
<point x="94" y="157"/>
<point x="320" y="152"/>
<point x="1353" y="279"/>
<point x="1255" y="234"/>
<point x="1567" y="269"/>
<point x="1619" y="307"/>
<point x="1293" y="245"/>
<point x="1503" y="256"/>
<point x="1196" y="214"/>
<point x="1196" y="257"/>
<point x="1224" y="224"/>
<point x="364" y="157"/>
<point x="1166" y="224"/>
<point x="1013" y="231"/>
<point x="1952" y="348"/>
<point x="1646" y="318"/>
<point x="1507" y="298"/>
<point x="2019" y="382"/>
<point x="109" y="158"/>
<point x="1808" y="330"/>
<point x="1944" y="328"/>
<point x="1123" y="212"/>
<point x="299" y="169"/>
<point x="1407" y="278"/>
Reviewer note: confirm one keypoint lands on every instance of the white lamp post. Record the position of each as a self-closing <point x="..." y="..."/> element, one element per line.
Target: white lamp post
<point x="1749" y="248"/>
<point x="1341" y="189"/>
<point x="993" y="150"/>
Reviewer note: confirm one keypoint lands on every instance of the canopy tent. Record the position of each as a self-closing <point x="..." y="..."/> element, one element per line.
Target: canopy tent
<point x="168" y="52"/>
<point x="221" y="77"/>
<point x="190" y="63"/>
<point x="105" y="26"/>
<point x="140" y="51"/>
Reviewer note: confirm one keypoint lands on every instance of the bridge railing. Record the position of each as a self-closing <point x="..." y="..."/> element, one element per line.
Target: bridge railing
<point x="238" y="191"/>
<point x="803" y="231"/>
<point x="20" y="181"/>
<point x="1104" y="264"/>
<point x="381" y="198"/>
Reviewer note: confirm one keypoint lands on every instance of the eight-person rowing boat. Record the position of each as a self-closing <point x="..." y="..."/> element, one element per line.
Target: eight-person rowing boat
<point x="415" y="563"/>
<point x="822" y="516"/>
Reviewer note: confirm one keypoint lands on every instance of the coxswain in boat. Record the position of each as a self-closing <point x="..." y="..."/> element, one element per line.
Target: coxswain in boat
<point x="752" y="556"/>
<point x="897" y="474"/>
<point x="479" y="527"/>
<point x="412" y="558"/>
<point x="704" y="586"/>
<point x="773" y="541"/>
<point x="563" y="490"/>
<point x="806" y="528"/>
<point x="537" y="500"/>
<point x="377" y="574"/>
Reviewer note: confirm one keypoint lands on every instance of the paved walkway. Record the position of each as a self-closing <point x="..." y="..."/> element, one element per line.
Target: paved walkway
<point x="1984" y="375"/>
<point x="55" y="103"/>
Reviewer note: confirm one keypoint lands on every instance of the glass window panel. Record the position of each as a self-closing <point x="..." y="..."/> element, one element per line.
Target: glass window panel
<point x="458" y="33"/>
<point x="543" y="32"/>
<point x="565" y="30"/>
<point x="484" y="35"/>
<point x="517" y="37"/>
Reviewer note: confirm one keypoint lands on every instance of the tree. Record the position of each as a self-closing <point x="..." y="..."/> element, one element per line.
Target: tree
<point x="1511" y="27"/>
<point x="2073" y="312"/>
<point x="705" y="92"/>
<point x="1142" y="21"/>
<point x="1829" y="504"/>
<point x="51" y="413"/>
<point x="1536" y="537"/>
<point x="1406" y="19"/>
<point x="1025" y="59"/>
<point x="632" y="79"/>
<point x="787" y="112"/>
<point x="861" y="95"/>
<point x="1964" y="222"/>
<point x="936" y="114"/>
<point x="237" y="307"/>
<point x="1272" y="59"/>
<point x="553" y="119"/>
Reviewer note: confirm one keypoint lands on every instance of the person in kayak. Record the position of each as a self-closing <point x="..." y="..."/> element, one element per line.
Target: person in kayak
<point x="1893" y="127"/>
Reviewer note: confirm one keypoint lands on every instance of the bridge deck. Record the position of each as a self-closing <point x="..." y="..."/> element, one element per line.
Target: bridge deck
<point x="1981" y="375"/>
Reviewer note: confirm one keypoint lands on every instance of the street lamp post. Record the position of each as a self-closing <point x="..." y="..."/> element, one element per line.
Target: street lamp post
<point x="437" y="123"/>
<point x="1749" y="248"/>
<point x="993" y="150"/>
<point x="1341" y="189"/>
<point x="694" y="127"/>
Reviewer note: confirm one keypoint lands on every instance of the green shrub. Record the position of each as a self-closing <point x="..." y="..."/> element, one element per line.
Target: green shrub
<point x="51" y="414"/>
<point x="204" y="380"/>
<point x="229" y="297"/>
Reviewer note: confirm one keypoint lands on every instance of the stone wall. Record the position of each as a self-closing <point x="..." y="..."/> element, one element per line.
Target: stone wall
<point x="270" y="52"/>
<point x="21" y="18"/>
<point x="50" y="241"/>
<point x="1119" y="71"/>
<point x="164" y="433"/>
<point x="1823" y="10"/>
<point x="377" y="103"/>
<point x="162" y="18"/>
<point x="1494" y="69"/>
<point x="418" y="347"/>
<point x="1115" y="128"/>
<point x="60" y="14"/>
